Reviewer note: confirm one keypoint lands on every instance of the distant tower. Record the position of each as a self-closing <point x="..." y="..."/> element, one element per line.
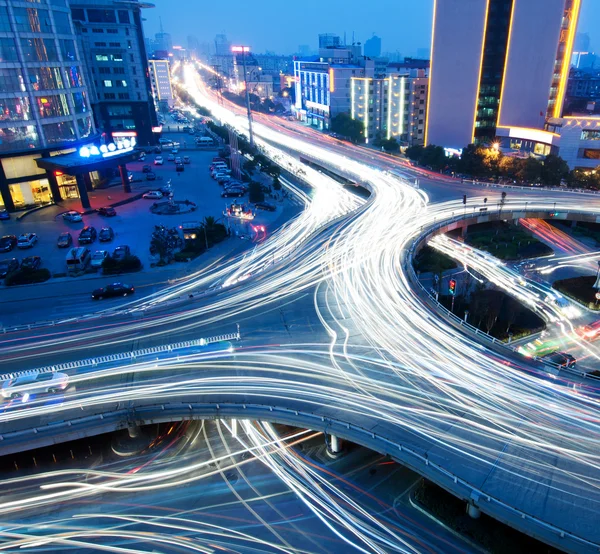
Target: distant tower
<point x="372" y="48"/>
<point x="328" y="40"/>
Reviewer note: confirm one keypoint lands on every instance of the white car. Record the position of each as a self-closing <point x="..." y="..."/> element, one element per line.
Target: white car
<point x="27" y="240"/>
<point x="35" y="383"/>
<point x="159" y="160"/>
<point x="152" y="195"/>
<point x="98" y="258"/>
<point x="72" y="216"/>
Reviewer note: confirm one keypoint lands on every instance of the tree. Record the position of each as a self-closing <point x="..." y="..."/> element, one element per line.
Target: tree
<point x="585" y="178"/>
<point x="554" y="170"/>
<point x="350" y="128"/>
<point x="529" y="170"/>
<point x="255" y="193"/>
<point x="472" y="161"/>
<point x="164" y="242"/>
<point x="434" y="157"/>
<point x="414" y="153"/>
<point x="276" y="183"/>
<point x="390" y="145"/>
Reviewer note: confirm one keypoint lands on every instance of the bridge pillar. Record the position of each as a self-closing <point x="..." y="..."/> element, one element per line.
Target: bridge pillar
<point x="573" y="224"/>
<point x="234" y="428"/>
<point x="134" y="431"/>
<point x="473" y="511"/>
<point x="335" y="445"/>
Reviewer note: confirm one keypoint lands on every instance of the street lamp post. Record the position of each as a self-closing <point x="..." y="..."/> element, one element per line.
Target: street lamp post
<point x="243" y="50"/>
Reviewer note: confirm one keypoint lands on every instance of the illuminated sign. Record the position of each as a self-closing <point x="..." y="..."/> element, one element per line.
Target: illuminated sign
<point x="124" y="134"/>
<point x="157" y="129"/>
<point x="452" y="152"/>
<point x="240" y="49"/>
<point x="108" y="150"/>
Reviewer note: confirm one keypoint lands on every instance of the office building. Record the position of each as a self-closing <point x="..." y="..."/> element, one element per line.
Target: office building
<point x="44" y="101"/>
<point x="222" y="45"/>
<point x="160" y="80"/>
<point x="481" y="80"/>
<point x="585" y="61"/>
<point x="329" y="40"/>
<point x="163" y="42"/>
<point x="372" y="47"/>
<point x="323" y="83"/>
<point x="111" y="37"/>
<point x="391" y="107"/>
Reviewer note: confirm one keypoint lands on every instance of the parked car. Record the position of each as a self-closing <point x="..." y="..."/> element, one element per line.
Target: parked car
<point x="87" y="235"/>
<point x="157" y="149"/>
<point x="178" y="160"/>
<point x="179" y="168"/>
<point x="27" y="240"/>
<point x="142" y="157"/>
<point x="151" y="176"/>
<point x="31" y="262"/>
<point x="170" y="158"/>
<point x="175" y="151"/>
<point x="72" y="216"/>
<point x="159" y="160"/>
<point x="146" y="169"/>
<point x="64" y="240"/>
<point x="165" y="141"/>
<point x="35" y="383"/>
<point x="106" y="234"/>
<point x="186" y="160"/>
<point x="111" y="291"/>
<point x="4" y="214"/>
<point x="121" y="252"/>
<point x="265" y="206"/>
<point x="8" y="265"/>
<point x="152" y="195"/>
<point x="232" y="193"/>
<point x="130" y="176"/>
<point x="7" y="243"/>
<point x="107" y="211"/>
<point x="166" y="190"/>
<point x="98" y="258"/>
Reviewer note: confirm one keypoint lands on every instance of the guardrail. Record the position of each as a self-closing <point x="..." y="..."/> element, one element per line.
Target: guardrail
<point x="123" y="356"/>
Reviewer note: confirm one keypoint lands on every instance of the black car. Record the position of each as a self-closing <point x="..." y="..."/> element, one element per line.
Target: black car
<point x="121" y="252"/>
<point x="265" y="206"/>
<point x="87" y="235"/>
<point x="107" y="211"/>
<point x="8" y="266"/>
<point x="31" y="262"/>
<point x="232" y="193"/>
<point x="166" y="190"/>
<point x="106" y="234"/>
<point x="7" y="243"/>
<point x="111" y="291"/>
<point x="147" y="169"/>
<point x="151" y="176"/>
<point x="64" y="240"/>
<point x="179" y="167"/>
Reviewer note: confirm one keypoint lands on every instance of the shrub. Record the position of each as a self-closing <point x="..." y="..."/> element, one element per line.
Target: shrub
<point x="129" y="264"/>
<point x="186" y="255"/>
<point x="27" y="277"/>
<point x="255" y="192"/>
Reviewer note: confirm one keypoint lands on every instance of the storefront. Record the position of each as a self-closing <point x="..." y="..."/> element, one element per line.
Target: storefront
<point x="31" y="194"/>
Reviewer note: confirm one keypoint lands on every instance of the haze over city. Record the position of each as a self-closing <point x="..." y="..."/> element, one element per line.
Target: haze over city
<point x="403" y="25"/>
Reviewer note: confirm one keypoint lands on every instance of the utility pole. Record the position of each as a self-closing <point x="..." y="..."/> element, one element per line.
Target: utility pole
<point x="243" y="50"/>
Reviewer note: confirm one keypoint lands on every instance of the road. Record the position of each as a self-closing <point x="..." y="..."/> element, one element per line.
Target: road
<point x="336" y="336"/>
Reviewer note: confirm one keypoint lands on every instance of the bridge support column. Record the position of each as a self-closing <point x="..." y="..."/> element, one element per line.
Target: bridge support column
<point x="473" y="511"/>
<point x="234" y="428"/>
<point x="134" y="431"/>
<point x="335" y="445"/>
<point x="463" y="231"/>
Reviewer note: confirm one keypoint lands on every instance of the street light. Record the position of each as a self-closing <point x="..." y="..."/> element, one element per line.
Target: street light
<point x="243" y="50"/>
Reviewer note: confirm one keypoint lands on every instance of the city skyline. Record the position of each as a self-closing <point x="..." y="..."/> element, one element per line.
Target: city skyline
<point x="406" y="33"/>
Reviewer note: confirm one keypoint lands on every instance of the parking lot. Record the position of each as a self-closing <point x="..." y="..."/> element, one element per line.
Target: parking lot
<point x="133" y="224"/>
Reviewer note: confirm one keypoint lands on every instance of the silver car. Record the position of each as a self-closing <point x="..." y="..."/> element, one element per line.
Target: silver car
<point x="35" y="383"/>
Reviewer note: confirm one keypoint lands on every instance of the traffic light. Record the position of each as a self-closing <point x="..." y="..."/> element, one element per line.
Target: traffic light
<point x="452" y="287"/>
<point x="464" y="198"/>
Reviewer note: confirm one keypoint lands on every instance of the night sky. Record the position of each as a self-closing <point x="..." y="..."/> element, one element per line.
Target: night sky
<point x="403" y="25"/>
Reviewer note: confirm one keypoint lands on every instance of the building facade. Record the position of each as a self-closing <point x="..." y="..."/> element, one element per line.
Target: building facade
<point x="111" y="38"/>
<point x="323" y="85"/>
<point x="497" y="63"/>
<point x="392" y="107"/>
<point x="372" y="47"/>
<point x="160" y="79"/>
<point x="44" y="101"/>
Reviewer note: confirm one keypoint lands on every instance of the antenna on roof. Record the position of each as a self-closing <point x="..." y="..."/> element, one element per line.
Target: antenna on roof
<point x="161" y="25"/>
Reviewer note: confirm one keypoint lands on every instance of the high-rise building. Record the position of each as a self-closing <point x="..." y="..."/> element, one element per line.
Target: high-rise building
<point x="163" y="42"/>
<point x="111" y="37"/>
<point x="372" y="47"/>
<point x="44" y="101"/>
<point x="391" y="107"/>
<point x="329" y="40"/>
<point x="160" y="80"/>
<point x="222" y="45"/>
<point x="582" y="42"/>
<point x="497" y="64"/>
